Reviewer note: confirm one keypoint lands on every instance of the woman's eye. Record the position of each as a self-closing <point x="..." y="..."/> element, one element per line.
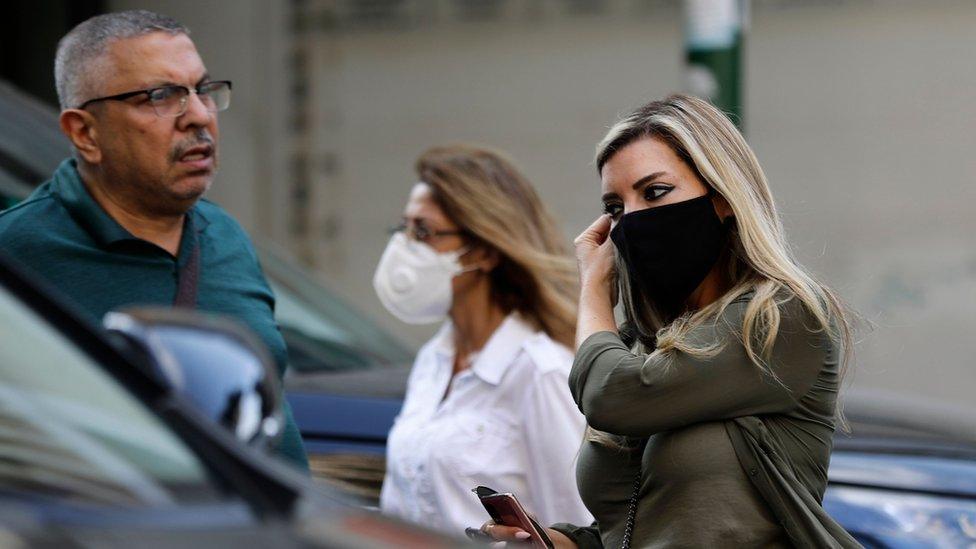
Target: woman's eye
<point x="653" y="192"/>
<point x="612" y="209"/>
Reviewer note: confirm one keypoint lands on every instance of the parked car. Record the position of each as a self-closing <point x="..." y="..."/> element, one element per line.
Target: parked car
<point x="345" y="381"/>
<point x="99" y="448"/>
<point x="906" y="475"/>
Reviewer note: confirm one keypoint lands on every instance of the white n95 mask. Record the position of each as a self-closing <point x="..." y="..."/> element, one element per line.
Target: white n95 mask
<point x="413" y="281"/>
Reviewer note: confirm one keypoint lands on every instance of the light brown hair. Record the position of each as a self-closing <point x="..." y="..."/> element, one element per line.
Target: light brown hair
<point x="495" y="205"/>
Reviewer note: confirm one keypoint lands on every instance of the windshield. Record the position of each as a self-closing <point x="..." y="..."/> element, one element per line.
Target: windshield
<point x="69" y="431"/>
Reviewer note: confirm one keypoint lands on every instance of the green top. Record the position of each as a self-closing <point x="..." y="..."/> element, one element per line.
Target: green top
<point x="697" y="428"/>
<point x="61" y="234"/>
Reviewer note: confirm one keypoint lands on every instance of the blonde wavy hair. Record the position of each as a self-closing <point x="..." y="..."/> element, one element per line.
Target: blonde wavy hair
<point x="495" y="205"/>
<point x="757" y="259"/>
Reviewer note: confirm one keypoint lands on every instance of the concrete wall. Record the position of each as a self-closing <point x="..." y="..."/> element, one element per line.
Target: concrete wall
<point x="861" y="112"/>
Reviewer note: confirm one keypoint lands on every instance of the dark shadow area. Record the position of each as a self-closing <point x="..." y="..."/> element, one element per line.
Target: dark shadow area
<point x="29" y="34"/>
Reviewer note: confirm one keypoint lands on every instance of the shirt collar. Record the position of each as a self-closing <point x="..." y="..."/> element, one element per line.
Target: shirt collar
<point x="89" y="214"/>
<point x="82" y="206"/>
<point x="498" y="354"/>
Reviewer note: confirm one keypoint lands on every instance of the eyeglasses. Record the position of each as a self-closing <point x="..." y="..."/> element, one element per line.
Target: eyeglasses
<point x="421" y="232"/>
<point x="171" y="101"/>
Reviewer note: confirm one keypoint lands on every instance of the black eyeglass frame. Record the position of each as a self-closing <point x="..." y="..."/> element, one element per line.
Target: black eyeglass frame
<point x="422" y="233"/>
<point x="148" y="92"/>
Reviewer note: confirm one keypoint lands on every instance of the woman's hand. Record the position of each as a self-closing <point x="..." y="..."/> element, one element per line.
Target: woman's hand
<point x="594" y="256"/>
<point x="499" y="532"/>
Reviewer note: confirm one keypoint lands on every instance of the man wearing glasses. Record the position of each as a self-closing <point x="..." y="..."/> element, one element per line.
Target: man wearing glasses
<point x="122" y="222"/>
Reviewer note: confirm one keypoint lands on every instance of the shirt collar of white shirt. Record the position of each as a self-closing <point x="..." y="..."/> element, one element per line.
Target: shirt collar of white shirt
<point x="499" y="352"/>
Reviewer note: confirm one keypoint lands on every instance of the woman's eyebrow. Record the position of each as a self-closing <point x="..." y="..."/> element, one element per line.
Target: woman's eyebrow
<point x="636" y="185"/>
<point x="647" y="179"/>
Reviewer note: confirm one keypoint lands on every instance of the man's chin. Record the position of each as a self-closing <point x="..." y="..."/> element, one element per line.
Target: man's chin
<point x="189" y="189"/>
<point x="193" y="186"/>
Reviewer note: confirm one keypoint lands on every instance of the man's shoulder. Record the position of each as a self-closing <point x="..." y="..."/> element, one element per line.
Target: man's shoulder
<point x="39" y="209"/>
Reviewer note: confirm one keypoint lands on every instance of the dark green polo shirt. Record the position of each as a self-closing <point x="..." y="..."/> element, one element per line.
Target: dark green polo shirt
<point x="63" y="235"/>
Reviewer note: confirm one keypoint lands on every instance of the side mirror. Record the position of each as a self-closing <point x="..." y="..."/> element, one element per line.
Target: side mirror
<point x="216" y="364"/>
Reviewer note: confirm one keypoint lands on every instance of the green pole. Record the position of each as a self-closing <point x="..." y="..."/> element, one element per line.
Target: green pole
<point x="713" y="52"/>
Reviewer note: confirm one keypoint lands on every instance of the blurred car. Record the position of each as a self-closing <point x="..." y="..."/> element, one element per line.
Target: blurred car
<point x="97" y="450"/>
<point x="904" y="477"/>
<point x="345" y="381"/>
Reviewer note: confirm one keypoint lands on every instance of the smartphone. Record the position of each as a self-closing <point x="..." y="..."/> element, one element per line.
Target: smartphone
<point x="505" y="509"/>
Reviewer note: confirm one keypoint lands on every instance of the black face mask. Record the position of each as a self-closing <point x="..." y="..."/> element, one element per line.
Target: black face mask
<point x="668" y="250"/>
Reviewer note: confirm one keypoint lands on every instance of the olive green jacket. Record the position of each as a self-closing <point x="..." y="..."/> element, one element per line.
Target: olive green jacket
<point x="798" y="510"/>
<point x="779" y="431"/>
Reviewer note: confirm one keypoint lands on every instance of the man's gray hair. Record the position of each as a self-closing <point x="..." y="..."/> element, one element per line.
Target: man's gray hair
<point x="75" y="64"/>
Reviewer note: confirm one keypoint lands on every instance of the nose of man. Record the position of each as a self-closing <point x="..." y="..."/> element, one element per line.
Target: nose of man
<point x="201" y="143"/>
<point x="196" y="113"/>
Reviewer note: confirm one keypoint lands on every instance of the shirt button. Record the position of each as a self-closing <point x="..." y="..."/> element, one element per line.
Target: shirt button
<point x="753" y="472"/>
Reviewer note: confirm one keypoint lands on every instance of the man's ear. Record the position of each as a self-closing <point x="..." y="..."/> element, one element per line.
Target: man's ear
<point x="79" y="126"/>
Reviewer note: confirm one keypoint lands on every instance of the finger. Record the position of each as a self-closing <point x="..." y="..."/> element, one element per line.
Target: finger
<point x="505" y="533"/>
<point x="601" y="225"/>
<point x="596" y="232"/>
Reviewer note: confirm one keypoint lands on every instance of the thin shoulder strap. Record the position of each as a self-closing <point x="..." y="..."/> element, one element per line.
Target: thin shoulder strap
<point x="189" y="273"/>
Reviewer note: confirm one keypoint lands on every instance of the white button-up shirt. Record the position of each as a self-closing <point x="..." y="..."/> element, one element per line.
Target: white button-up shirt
<point x="508" y="423"/>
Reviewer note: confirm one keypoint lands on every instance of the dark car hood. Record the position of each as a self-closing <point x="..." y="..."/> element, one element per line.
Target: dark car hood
<point x="905" y="443"/>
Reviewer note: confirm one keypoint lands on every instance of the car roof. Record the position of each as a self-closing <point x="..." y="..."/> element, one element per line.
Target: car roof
<point x="894" y="422"/>
<point x="31" y="142"/>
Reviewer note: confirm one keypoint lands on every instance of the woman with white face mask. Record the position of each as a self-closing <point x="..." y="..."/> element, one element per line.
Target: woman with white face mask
<point x="487" y="402"/>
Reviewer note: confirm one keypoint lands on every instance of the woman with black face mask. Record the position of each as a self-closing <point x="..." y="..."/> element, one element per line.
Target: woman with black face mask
<point x="711" y="410"/>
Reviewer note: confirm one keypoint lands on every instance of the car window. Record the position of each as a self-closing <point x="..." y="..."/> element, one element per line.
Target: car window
<point x="71" y="432"/>
<point x="316" y="343"/>
<point x="290" y="310"/>
<point x="323" y="333"/>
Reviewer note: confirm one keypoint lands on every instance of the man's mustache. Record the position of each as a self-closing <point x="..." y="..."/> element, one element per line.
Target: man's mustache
<point x="202" y="137"/>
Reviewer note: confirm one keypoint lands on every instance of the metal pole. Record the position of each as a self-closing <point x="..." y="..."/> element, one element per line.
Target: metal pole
<point x="714" y="32"/>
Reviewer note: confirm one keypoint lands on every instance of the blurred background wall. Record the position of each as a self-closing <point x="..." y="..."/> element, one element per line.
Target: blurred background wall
<point x="862" y="113"/>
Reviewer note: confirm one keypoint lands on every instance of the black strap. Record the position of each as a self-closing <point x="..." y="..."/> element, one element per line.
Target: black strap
<point x="189" y="273"/>
<point x="632" y="511"/>
<point x="634" y="496"/>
